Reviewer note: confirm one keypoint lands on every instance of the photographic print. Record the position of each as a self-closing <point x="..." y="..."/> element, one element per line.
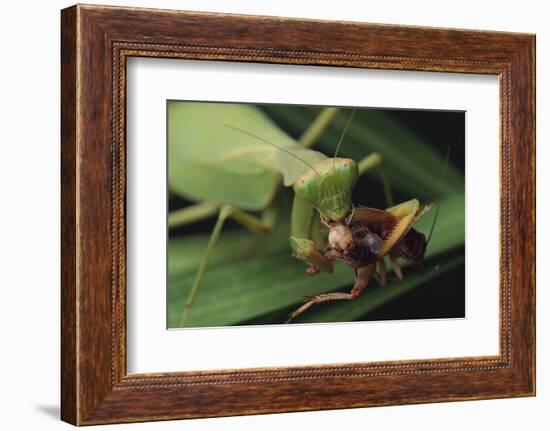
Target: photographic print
<point x="306" y="214"/>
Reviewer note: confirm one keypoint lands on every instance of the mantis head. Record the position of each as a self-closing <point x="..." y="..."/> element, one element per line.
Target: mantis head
<point x="328" y="187"/>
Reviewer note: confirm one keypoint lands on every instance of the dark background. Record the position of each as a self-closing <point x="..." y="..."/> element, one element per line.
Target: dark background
<point x="442" y="129"/>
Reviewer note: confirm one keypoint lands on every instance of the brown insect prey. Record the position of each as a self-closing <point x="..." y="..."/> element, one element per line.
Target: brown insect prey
<point x="359" y="243"/>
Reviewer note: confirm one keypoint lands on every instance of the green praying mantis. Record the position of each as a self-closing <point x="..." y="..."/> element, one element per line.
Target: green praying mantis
<point x="234" y="177"/>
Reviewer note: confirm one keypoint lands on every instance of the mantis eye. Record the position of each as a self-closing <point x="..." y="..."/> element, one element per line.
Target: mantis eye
<point x="348" y="171"/>
<point x="307" y="188"/>
<point x="374" y="243"/>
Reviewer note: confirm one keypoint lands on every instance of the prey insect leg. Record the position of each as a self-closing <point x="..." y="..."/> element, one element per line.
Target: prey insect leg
<point x="396" y="268"/>
<point x="382" y="273"/>
<point x="362" y="278"/>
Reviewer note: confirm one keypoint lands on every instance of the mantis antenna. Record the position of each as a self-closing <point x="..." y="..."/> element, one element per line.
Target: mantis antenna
<point x="344" y="131"/>
<point x="439" y="202"/>
<point x="272" y="144"/>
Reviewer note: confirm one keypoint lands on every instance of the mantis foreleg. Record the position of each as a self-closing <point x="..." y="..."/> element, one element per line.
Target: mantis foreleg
<point x="254" y="224"/>
<point x="306" y="239"/>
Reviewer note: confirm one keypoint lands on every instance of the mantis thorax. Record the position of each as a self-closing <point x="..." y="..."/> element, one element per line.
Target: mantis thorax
<point x="328" y="187"/>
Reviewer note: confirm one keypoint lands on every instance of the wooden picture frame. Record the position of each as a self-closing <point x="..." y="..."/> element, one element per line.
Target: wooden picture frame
<point x="95" y="42"/>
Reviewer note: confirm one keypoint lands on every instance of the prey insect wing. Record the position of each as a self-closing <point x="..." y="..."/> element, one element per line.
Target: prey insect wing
<point x="376" y="220"/>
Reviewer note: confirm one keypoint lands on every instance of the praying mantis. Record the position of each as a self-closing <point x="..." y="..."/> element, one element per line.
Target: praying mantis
<point x="239" y="176"/>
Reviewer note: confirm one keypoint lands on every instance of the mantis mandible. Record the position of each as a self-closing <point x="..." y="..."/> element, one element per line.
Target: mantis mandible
<point x="232" y="176"/>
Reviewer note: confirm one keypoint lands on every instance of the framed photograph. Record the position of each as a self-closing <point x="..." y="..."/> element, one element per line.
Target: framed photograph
<point x="263" y="215"/>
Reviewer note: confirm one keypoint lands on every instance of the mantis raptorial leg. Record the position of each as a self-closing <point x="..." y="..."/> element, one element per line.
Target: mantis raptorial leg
<point x="254" y="224"/>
